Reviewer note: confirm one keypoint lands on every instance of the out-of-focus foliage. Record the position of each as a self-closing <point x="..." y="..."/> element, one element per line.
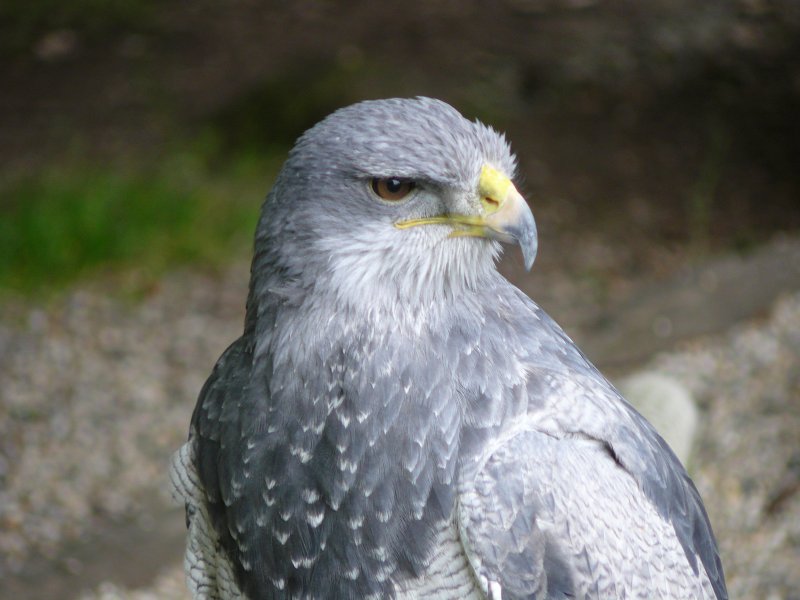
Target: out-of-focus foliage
<point x="269" y="116"/>
<point x="70" y="221"/>
<point x="669" y="121"/>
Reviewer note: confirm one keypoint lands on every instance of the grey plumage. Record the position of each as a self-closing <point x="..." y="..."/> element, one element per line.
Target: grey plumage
<point x="397" y="420"/>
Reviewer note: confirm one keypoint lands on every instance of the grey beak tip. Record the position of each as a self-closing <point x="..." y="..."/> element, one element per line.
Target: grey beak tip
<point x="529" y="250"/>
<point x="528" y="241"/>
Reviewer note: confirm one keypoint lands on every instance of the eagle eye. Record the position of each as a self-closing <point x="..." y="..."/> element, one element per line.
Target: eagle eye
<point x="392" y="188"/>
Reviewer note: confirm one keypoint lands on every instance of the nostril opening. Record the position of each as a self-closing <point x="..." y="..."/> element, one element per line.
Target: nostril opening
<point x="491" y="201"/>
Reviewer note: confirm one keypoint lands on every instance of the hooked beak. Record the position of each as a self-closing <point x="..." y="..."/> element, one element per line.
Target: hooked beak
<point x="504" y="216"/>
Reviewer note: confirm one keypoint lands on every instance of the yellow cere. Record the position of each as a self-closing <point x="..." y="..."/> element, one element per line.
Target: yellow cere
<point x="493" y="188"/>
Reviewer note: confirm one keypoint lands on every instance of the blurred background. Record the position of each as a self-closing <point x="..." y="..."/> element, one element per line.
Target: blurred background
<point x="659" y="146"/>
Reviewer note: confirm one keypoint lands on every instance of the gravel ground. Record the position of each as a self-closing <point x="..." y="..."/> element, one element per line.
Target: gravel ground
<point x="97" y="393"/>
<point x="747" y="459"/>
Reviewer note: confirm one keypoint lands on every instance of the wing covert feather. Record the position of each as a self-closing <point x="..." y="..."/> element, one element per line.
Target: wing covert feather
<point x="559" y="518"/>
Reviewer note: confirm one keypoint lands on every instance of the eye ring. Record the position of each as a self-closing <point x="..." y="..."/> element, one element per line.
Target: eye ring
<point x="392" y="189"/>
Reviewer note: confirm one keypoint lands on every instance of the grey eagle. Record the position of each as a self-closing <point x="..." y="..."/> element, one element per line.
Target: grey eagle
<point x="399" y="421"/>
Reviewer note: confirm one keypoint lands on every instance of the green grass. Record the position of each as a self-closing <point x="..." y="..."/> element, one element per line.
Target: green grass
<point x="69" y="223"/>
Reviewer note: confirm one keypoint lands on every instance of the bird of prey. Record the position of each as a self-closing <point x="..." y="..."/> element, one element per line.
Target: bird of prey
<point x="398" y="421"/>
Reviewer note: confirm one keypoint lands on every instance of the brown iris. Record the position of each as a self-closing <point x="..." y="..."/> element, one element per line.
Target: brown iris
<point x="391" y="188"/>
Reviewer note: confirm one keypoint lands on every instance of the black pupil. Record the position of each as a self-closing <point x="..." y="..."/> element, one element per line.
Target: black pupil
<point x="393" y="185"/>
